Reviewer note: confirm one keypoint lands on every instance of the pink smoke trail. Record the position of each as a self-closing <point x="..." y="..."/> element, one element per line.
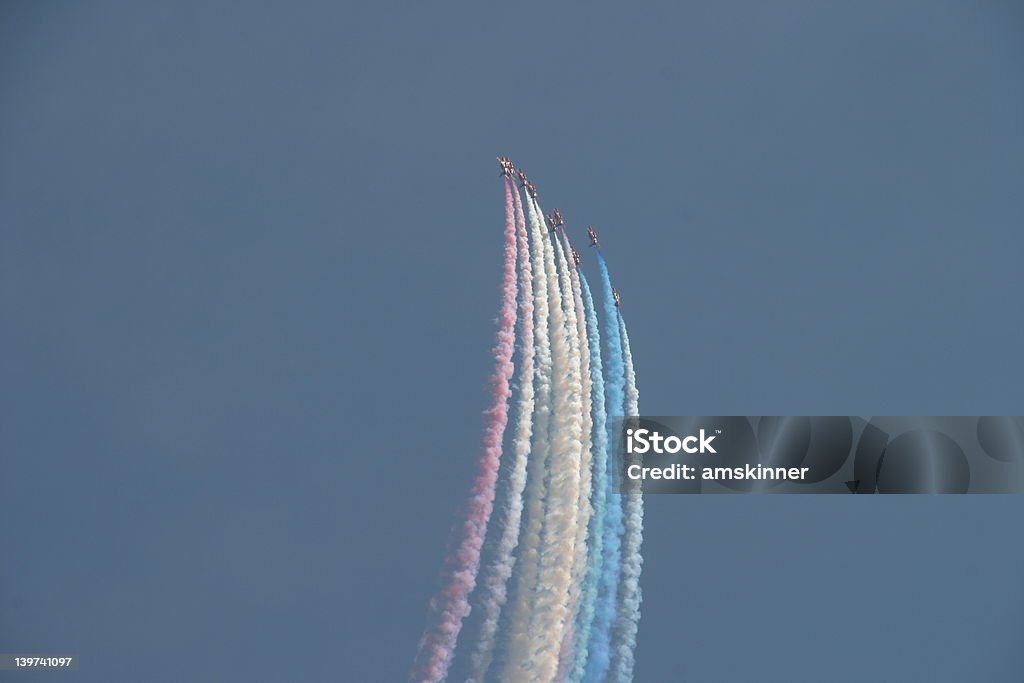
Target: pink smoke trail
<point x="451" y="605"/>
<point x="495" y="583"/>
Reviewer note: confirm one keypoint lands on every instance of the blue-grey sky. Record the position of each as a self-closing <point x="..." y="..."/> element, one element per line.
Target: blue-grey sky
<point x="249" y="261"/>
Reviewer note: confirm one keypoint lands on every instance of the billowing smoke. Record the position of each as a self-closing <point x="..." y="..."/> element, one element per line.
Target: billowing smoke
<point x="560" y="595"/>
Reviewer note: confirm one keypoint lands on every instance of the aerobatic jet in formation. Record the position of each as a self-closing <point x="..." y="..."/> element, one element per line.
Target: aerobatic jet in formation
<point x="531" y="189"/>
<point x="523" y="182"/>
<point x="555" y="220"/>
<point x="507" y="169"/>
<point x="575" y="256"/>
<point x="592" y="234"/>
<point x="615" y="295"/>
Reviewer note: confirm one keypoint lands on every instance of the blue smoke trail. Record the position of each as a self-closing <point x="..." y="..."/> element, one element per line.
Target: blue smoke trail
<point x="599" y="645"/>
<point x="588" y="597"/>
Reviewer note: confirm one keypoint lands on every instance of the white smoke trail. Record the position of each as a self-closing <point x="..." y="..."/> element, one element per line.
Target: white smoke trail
<point x="557" y="555"/>
<point x="583" y="505"/>
<point x="495" y="584"/>
<point x="599" y="439"/>
<point x="536" y="487"/>
<point x="628" y="617"/>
